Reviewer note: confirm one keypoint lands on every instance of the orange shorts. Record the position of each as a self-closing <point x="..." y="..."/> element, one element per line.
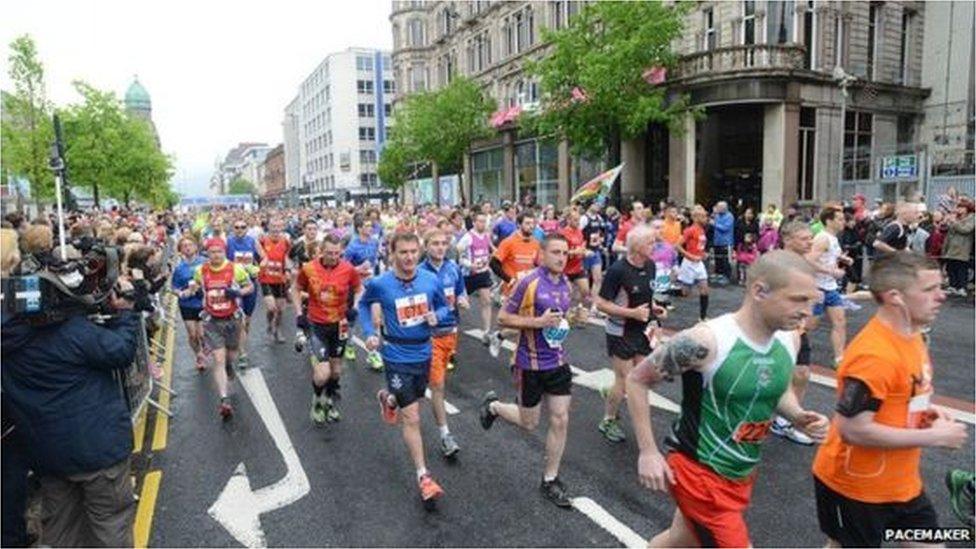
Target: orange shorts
<point x="712" y="505"/>
<point x="444" y="347"/>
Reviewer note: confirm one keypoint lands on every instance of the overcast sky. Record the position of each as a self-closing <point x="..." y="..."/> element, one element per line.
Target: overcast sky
<point x="218" y="72"/>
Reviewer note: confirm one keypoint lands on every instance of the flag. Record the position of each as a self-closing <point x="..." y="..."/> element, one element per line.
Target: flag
<point x="598" y="186"/>
<point x="200" y="223"/>
<point x="655" y="75"/>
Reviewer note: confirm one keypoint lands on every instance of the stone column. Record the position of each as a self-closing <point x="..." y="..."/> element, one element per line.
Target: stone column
<point x="508" y="162"/>
<point x="681" y="164"/>
<point x="565" y="188"/>
<point x="633" y="177"/>
<point x="467" y="178"/>
<point x="781" y="130"/>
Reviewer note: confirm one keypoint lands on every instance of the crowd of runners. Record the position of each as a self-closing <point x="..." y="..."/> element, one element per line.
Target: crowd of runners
<point x="402" y="278"/>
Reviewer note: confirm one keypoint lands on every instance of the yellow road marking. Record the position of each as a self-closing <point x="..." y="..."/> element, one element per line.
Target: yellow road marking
<point x="139" y="431"/>
<point x="161" y="429"/>
<point x="146" y="508"/>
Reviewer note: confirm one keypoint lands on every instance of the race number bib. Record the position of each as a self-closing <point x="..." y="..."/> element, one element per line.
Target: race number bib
<point x="555" y="335"/>
<point x="244" y="258"/>
<point x="752" y="431"/>
<point x="274" y="268"/>
<point x="410" y="310"/>
<point x="217" y="299"/>
<point x="343" y="329"/>
<point x="451" y="298"/>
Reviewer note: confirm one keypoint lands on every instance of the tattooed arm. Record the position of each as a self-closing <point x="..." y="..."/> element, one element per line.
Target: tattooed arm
<point x="687" y="350"/>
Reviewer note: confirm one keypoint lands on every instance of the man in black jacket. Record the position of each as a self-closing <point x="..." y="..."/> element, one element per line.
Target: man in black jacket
<point x="59" y="386"/>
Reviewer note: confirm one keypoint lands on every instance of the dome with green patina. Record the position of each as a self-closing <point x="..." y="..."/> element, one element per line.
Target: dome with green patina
<point x="137" y="98"/>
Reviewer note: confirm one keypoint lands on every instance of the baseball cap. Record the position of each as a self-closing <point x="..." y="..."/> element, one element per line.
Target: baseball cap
<point x="215" y="243"/>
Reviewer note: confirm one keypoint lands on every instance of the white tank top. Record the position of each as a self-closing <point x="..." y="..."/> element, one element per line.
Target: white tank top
<point x="828" y="260"/>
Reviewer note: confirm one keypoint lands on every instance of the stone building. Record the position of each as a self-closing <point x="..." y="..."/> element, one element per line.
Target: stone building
<point x="778" y="126"/>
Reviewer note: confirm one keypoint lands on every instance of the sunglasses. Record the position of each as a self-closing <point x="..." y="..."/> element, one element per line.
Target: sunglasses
<point x="240" y="226"/>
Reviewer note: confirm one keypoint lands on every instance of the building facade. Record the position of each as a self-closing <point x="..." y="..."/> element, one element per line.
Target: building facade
<point x="336" y="126"/>
<point x="138" y="104"/>
<point x="242" y="161"/>
<point x="292" y="150"/>
<point x="803" y="100"/>
<point x="273" y="175"/>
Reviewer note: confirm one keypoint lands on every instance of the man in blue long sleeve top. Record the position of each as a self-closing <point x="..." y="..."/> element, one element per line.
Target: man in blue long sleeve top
<point x="724" y="234"/>
<point x="444" y="343"/>
<point x="413" y="304"/>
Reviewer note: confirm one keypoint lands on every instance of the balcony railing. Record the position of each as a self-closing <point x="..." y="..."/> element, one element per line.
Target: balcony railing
<point x="747" y="58"/>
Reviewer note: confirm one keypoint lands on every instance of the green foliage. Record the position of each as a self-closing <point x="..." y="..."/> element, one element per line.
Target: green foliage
<point x="435" y="127"/>
<point x="114" y="153"/>
<point x="605" y="51"/>
<point x="26" y="130"/>
<point x="239" y="185"/>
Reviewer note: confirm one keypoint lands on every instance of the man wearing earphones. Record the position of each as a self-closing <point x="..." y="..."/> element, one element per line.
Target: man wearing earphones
<point x="735" y="371"/>
<point x="866" y="474"/>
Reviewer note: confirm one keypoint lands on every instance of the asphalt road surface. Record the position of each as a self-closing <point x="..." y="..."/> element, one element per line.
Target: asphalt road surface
<point x="352" y="483"/>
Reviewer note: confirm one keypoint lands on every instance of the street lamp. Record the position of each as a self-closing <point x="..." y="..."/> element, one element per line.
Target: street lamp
<point x="843" y="80"/>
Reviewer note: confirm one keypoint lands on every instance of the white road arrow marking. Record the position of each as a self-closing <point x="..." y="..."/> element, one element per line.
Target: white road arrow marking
<point x="608" y="522"/>
<point x="238" y="508"/>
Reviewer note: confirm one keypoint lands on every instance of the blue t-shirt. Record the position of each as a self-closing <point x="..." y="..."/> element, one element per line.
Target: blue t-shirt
<point x="359" y="251"/>
<point x="406" y="334"/>
<point x="182" y="275"/>
<point x="453" y="283"/>
<point x="243" y="250"/>
<point x="503" y="229"/>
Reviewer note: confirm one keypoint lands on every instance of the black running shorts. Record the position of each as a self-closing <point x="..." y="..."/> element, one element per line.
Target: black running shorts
<point x="477" y="281"/>
<point x="532" y="384"/>
<point x="628" y="346"/>
<point x="858" y="524"/>
<point x="324" y="341"/>
<point x="279" y="291"/>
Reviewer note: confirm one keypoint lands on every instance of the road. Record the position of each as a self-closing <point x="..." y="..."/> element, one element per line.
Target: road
<point x="361" y="486"/>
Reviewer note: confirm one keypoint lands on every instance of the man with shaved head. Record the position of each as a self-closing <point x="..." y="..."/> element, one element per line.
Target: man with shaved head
<point x="735" y="371"/>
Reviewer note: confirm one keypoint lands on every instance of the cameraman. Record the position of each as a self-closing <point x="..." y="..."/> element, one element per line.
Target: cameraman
<point x="59" y="387"/>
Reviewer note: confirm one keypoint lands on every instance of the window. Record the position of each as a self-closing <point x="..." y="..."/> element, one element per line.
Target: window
<point x="415" y="33"/>
<point x="486" y="176"/>
<point x="906" y="35"/>
<point x="560" y="13"/>
<point x="807" y="156"/>
<point x="367" y="157"/>
<point x="389" y="86"/>
<point x="387" y="110"/>
<point x="479" y="52"/>
<point x="364" y="64"/>
<point x="857" y="145"/>
<point x="418" y="78"/>
<point x="810" y="35"/>
<point x="779" y="26"/>
<point x="749" y="22"/>
<point x="364" y="86"/>
<point x="906" y="134"/>
<point x="873" y="26"/>
<point x="708" y="33"/>
<point x="366" y="110"/>
<point x="536" y="172"/>
<point x="367" y="134"/>
<point x="446" y="21"/>
<point x="446" y="68"/>
<point x="840" y="42"/>
<point x="518" y="31"/>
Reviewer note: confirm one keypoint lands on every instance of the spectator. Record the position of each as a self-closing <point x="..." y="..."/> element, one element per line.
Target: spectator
<point x="768" y="236"/>
<point x="773" y="214"/>
<point x="860" y="208"/>
<point x="919" y="234"/>
<point x="723" y="224"/>
<point x="948" y="201"/>
<point x="746" y="224"/>
<point x="933" y="248"/>
<point x="852" y="246"/>
<point x="746" y="254"/>
<point x="959" y="245"/>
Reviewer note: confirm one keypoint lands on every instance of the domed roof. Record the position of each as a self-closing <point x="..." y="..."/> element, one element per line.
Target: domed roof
<point x="136" y="97"/>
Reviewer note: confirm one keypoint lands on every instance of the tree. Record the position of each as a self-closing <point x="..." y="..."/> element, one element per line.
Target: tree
<point x="436" y="127"/>
<point x="114" y="153"/>
<point x="239" y="185"/>
<point x="595" y="92"/>
<point x="26" y="130"/>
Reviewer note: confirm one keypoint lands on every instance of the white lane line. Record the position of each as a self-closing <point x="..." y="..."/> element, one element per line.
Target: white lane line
<point x="605" y="520"/>
<point x="448" y="407"/>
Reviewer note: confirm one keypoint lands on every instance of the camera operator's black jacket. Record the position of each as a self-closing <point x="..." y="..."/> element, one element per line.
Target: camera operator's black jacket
<point x="58" y="384"/>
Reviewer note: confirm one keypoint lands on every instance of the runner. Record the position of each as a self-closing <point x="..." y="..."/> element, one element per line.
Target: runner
<point x="363" y="253"/>
<point x="506" y="225"/>
<point x="222" y="282"/>
<point x="692" y="248"/>
<point x="866" y="474"/>
<point x="626" y="299"/>
<point x="243" y="250"/>
<point x="273" y="250"/>
<point x="474" y="249"/>
<point x="537" y="309"/>
<point x="331" y="285"/>
<point x="826" y="257"/>
<point x="638" y="214"/>
<point x="665" y="260"/>
<point x="445" y="333"/>
<point x="413" y="303"/>
<point x="192" y="305"/>
<point x="516" y="254"/>
<point x="735" y="372"/>
<point x="578" y="276"/>
<point x="594" y="232"/>
<point x="797" y="238"/>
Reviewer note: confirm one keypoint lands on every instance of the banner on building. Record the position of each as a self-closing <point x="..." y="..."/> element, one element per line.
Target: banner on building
<point x="598" y="186"/>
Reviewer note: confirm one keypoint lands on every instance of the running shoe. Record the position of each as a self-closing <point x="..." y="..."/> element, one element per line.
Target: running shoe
<point x="331" y="410"/>
<point x="242" y="361"/>
<point x="610" y="427"/>
<point x="495" y="344"/>
<point x="350" y="353"/>
<point x="375" y="360"/>
<point x="387" y="411"/>
<point x="785" y="429"/>
<point x="484" y="413"/>
<point x="449" y="446"/>
<point x="429" y="489"/>
<point x="317" y="414"/>
<point x="225" y="409"/>
<point x="555" y="492"/>
<point x="849" y="305"/>
<point x="960" y="485"/>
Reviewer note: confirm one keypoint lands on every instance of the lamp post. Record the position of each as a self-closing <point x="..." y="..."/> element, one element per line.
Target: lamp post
<point x="843" y="81"/>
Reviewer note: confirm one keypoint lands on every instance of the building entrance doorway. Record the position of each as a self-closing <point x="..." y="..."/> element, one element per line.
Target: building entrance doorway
<point x="728" y="154"/>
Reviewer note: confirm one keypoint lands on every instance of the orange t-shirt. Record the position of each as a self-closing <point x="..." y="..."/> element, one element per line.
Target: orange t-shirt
<point x="898" y="372"/>
<point x="694" y="242"/>
<point x="517" y="254"/>
<point x="671" y="232"/>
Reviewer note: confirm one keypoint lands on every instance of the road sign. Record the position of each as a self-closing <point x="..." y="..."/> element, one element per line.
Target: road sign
<point x="899" y="167"/>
